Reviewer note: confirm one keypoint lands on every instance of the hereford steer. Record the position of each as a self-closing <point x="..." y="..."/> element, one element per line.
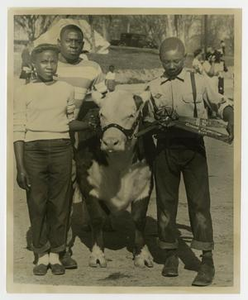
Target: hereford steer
<point x="113" y="172"/>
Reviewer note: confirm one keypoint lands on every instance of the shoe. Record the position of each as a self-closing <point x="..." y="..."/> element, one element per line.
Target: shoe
<point x="205" y="273"/>
<point x="67" y="261"/>
<point x="171" y="266"/>
<point x="40" y="270"/>
<point x="57" y="269"/>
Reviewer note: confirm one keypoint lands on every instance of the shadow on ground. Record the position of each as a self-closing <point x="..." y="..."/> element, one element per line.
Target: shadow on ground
<point x="120" y="234"/>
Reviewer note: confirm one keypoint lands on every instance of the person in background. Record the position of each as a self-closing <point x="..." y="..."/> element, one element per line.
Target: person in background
<point x="26" y="68"/>
<point x="223" y="47"/>
<point x="110" y="78"/>
<point x="209" y="52"/>
<point x="209" y="65"/>
<point x="198" y="61"/>
<point x="220" y="67"/>
<point x="210" y="71"/>
<point x="182" y="152"/>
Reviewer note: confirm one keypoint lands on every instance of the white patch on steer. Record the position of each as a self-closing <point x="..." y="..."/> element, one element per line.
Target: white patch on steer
<point x="97" y="257"/>
<point x="144" y="258"/>
<point x="96" y="250"/>
<point x="145" y="252"/>
<point x="77" y="196"/>
<point x="118" y="187"/>
<point x="121" y="108"/>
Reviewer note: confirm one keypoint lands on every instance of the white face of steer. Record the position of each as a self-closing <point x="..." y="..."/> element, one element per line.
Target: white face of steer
<point x="122" y="108"/>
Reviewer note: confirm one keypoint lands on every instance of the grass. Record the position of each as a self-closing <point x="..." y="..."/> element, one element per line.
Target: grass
<point x="135" y="58"/>
<point x="124" y="58"/>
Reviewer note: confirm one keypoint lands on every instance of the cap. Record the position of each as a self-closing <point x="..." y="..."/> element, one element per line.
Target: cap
<point x="43" y="47"/>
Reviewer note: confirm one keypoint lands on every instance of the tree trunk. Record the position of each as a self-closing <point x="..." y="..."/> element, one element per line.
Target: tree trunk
<point x="171" y="26"/>
<point x="93" y="42"/>
<point x="128" y="26"/>
<point x="205" y="33"/>
<point x="105" y="27"/>
<point x="179" y="26"/>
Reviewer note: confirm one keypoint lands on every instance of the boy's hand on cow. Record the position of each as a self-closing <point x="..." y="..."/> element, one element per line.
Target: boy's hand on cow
<point x="166" y="117"/>
<point x="93" y="122"/>
<point x="230" y="130"/>
<point x="228" y="116"/>
<point x="92" y="118"/>
<point x="23" y="180"/>
<point x="166" y="123"/>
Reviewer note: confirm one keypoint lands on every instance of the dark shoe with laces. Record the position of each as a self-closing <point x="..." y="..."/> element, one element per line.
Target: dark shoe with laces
<point x="40" y="270"/>
<point x="57" y="269"/>
<point x="205" y="273"/>
<point x="171" y="266"/>
<point x="67" y="261"/>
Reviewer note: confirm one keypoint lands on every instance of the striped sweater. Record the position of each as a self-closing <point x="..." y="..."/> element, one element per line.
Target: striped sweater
<point x="83" y="76"/>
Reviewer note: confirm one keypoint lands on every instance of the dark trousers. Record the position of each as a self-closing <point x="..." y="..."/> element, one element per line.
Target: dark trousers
<point x="48" y="164"/>
<point x="172" y="161"/>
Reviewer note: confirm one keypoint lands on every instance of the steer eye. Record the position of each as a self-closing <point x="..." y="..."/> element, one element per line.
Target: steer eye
<point x="131" y="116"/>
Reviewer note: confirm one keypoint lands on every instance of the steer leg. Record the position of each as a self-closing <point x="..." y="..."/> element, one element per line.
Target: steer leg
<point x="142" y="256"/>
<point x="97" y="220"/>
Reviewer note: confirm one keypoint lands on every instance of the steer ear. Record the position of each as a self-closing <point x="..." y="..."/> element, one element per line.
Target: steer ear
<point x="146" y="95"/>
<point x="97" y="97"/>
<point x="138" y="101"/>
<point x="141" y="98"/>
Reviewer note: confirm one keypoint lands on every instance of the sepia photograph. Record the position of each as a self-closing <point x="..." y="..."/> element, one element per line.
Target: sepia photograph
<point x="123" y="150"/>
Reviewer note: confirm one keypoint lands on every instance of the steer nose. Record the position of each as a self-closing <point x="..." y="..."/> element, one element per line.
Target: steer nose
<point x="110" y="142"/>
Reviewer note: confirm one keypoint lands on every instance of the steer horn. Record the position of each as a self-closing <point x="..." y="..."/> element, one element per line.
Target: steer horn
<point x="97" y="97"/>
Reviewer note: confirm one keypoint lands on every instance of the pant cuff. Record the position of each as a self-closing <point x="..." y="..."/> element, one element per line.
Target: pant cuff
<point x="167" y="245"/>
<point x="43" y="249"/>
<point x="202" y="245"/>
<point x="58" y="249"/>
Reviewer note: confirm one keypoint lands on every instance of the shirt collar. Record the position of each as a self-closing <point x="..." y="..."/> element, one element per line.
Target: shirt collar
<point x="180" y="77"/>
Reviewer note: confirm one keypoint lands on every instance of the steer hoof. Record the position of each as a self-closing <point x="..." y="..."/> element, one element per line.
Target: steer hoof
<point x="144" y="259"/>
<point x="97" y="257"/>
<point x="142" y="262"/>
<point x="139" y="262"/>
<point x="149" y="262"/>
<point x="97" y="260"/>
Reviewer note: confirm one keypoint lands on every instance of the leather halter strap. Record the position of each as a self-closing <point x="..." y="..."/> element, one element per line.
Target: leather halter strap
<point x="128" y="132"/>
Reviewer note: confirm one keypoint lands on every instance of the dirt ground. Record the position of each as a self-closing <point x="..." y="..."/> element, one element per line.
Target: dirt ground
<point x="121" y="271"/>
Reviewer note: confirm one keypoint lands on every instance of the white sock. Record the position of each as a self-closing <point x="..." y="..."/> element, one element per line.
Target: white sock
<point x="54" y="258"/>
<point x="44" y="259"/>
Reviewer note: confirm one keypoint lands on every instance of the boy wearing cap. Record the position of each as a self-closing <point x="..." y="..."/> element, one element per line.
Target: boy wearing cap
<point x="43" y="110"/>
<point x="180" y="151"/>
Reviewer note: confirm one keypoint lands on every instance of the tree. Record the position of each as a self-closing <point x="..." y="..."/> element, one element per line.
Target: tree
<point x="221" y="27"/>
<point x="102" y="24"/>
<point x="154" y="26"/>
<point x="34" y="25"/>
<point x="171" y="28"/>
<point x="93" y="41"/>
<point x="106" y="23"/>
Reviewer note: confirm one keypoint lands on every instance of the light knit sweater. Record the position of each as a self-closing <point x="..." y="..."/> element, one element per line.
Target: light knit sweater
<point x="43" y="111"/>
